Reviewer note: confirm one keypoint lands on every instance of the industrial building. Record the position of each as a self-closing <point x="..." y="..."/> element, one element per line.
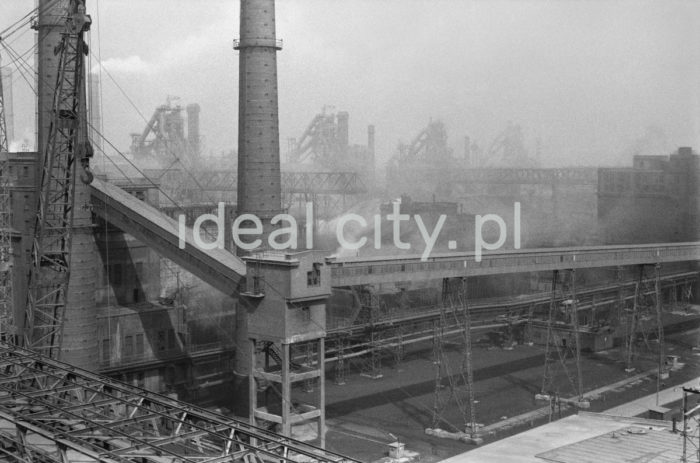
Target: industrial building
<point x="124" y="338"/>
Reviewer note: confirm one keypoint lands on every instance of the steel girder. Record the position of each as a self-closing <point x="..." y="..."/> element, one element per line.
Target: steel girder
<point x="53" y="412"/>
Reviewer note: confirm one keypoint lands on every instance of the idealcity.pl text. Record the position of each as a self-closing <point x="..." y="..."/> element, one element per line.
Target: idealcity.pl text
<point x="286" y="237"/>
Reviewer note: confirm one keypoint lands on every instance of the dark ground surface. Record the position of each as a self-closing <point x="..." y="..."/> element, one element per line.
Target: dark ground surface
<point x="362" y="413"/>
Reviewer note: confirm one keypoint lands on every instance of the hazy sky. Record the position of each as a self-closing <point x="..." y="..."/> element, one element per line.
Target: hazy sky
<point x="587" y="77"/>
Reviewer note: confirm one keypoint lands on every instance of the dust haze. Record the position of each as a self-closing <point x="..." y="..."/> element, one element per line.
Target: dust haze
<point x="585" y="80"/>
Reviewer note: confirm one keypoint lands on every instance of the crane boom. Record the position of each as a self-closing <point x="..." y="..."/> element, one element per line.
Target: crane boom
<point x="66" y="144"/>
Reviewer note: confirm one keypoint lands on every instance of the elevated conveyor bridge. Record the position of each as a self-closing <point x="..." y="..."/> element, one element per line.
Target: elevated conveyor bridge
<point x="224" y="271"/>
<point x="355" y="271"/>
<point x="218" y="267"/>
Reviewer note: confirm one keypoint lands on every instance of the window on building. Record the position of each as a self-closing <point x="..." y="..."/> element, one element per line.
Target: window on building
<point x="105" y="350"/>
<point x="105" y="275"/>
<point x="116" y="276"/>
<point x="171" y="339"/>
<point x="257" y="285"/>
<point x="139" y="344"/>
<point x="313" y="278"/>
<point x="161" y="340"/>
<point x="140" y="379"/>
<point x="128" y="346"/>
<point x="306" y="314"/>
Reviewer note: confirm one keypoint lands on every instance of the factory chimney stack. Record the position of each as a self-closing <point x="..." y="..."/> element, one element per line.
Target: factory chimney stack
<point x="259" y="184"/>
<point x="259" y="180"/>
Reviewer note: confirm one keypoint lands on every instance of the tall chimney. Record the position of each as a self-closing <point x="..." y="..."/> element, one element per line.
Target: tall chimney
<point x="467" y="150"/>
<point x="343" y="130"/>
<point x="259" y="184"/>
<point x="193" y="128"/>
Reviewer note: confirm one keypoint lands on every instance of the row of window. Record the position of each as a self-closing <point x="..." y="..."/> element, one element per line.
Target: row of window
<point x="134" y="346"/>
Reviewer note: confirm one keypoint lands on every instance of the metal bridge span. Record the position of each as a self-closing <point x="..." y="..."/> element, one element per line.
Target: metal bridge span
<point x="224" y="271"/>
<point x="53" y="412"/>
<point x="362" y="271"/>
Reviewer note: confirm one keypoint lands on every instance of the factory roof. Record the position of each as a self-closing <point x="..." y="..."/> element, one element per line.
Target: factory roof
<point x="585" y="437"/>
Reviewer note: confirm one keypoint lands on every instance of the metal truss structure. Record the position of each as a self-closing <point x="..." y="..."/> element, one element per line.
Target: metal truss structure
<point x="321" y="141"/>
<point x="328" y="190"/>
<point x="348" y="183"/>
<point x="644" y="319"/>
<point x="557" y="350"/>
<point x="528" y="176"/>
<point x="53" y="412"/>
<point x="460" y="384"/>
<point x="51" y="249"/>
<point x="430" y="145"/>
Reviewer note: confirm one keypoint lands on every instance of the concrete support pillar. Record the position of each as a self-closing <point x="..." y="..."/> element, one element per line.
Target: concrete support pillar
<point x="322" y="391"/>
<point x="286" y="392"/>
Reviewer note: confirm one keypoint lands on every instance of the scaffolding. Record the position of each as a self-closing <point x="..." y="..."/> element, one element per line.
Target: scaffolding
<point x="459" y="389"/>
<point x="644" y="320"/>
<point x="563" y="340"/>
<point x="370" y="314"/>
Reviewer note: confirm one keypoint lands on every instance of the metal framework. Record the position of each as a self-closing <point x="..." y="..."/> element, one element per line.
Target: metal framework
<point x="458" y="308"/>
<point x="370" y="314"/>
<point x="320" y="143"/>
<point x="53" y="412"/>
<point x="430" y="145"/>
<point x="50" y="269"/>
<point x="6" y="263"/>
<point x="557" y="350"/>
<point x="644" y="319"/>
<point x="347" y="183"/>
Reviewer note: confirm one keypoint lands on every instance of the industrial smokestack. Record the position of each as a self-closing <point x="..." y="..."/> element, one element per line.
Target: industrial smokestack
<point x="259" y="184"/>
<point x="343" y="129"/>
<point x="467" y="150"/>
<point x="370" y="139"/>
<point x="259" y="181"/>
<point x="193" y="128"/>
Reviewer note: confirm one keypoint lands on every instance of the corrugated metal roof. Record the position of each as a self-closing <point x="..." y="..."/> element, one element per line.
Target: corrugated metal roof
<point x="630" y="444"/>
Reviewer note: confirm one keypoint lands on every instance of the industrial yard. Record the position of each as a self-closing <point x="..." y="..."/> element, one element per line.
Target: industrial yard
<point x="434" y="270"/>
